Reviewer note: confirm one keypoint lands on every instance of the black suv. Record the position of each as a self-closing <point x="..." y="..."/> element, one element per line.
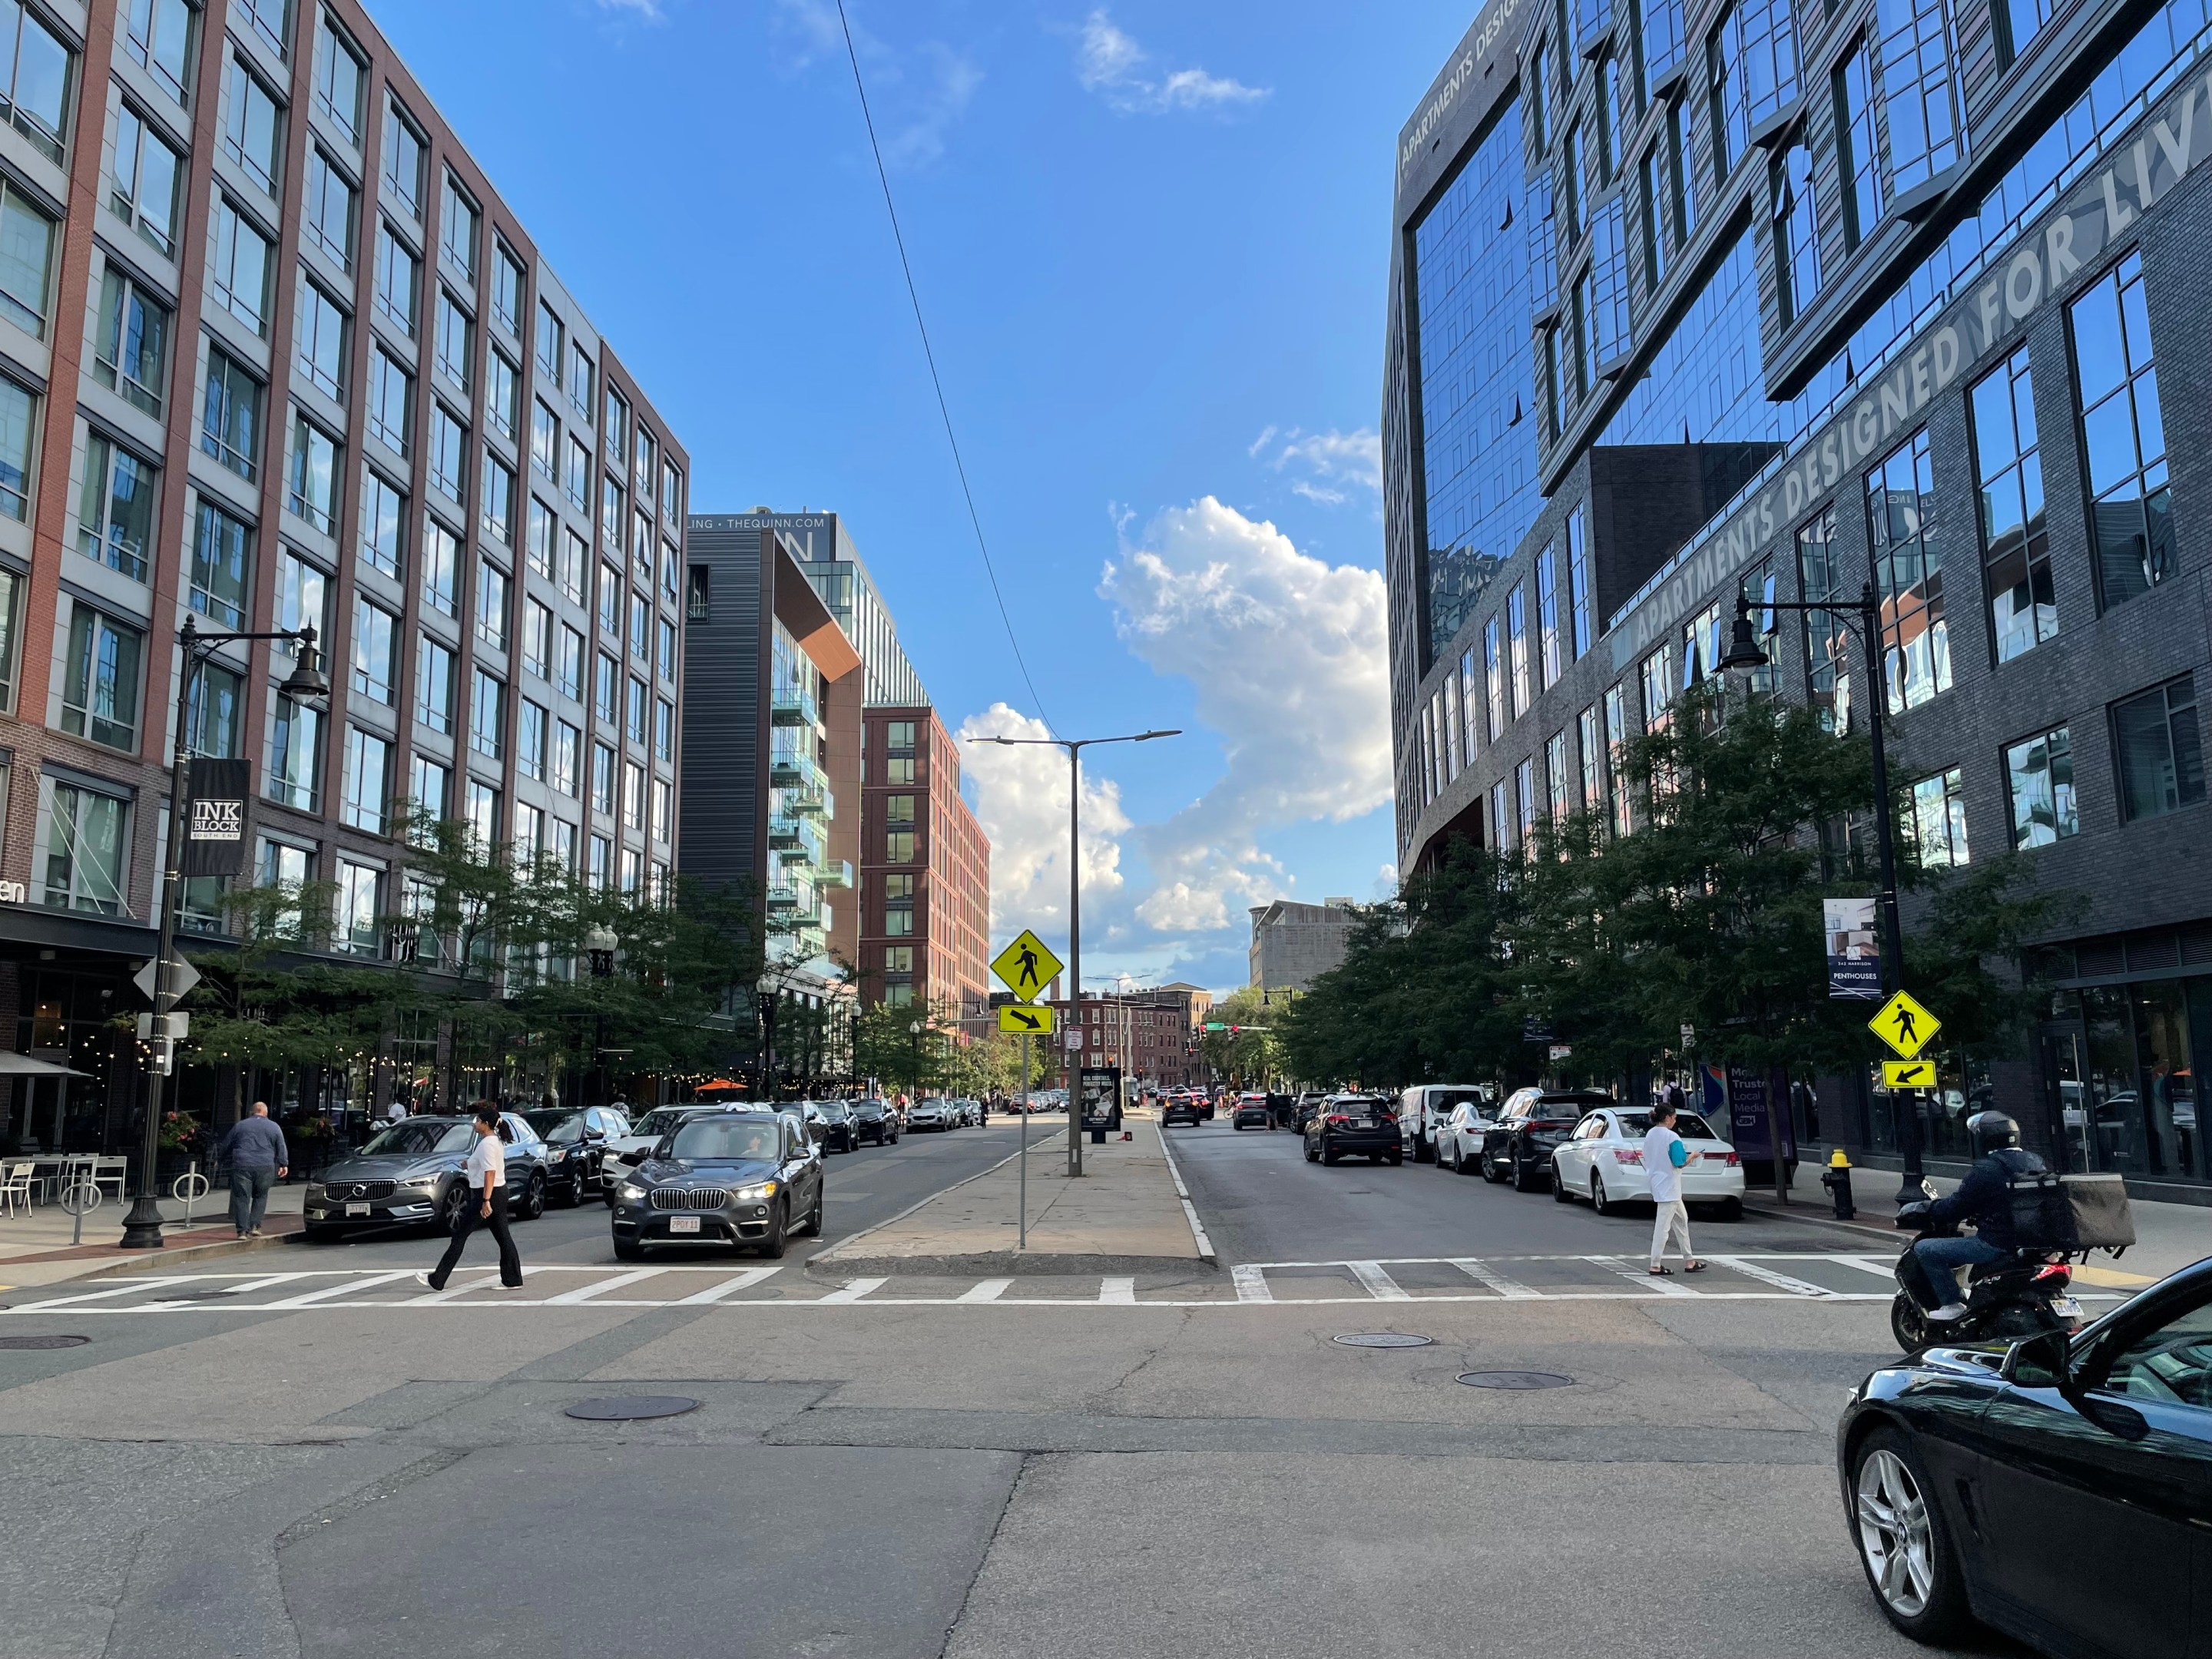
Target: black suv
<point x="1519" y="1143"/>
<point x="1360" y="1124"/>
<point x="1182" y="1108"/>
<point x="874" y="1119"/>
<point x="573" y="1141"/>
<point x="840" y="1133"/>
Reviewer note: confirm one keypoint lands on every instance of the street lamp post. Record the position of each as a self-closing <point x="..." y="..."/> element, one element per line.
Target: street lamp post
<point x="1864" y="618"/>
<point x="141" y="1228"/>
<point x="600" y="943"/>
<point x="1075" y="746"/>
<point x="914" y="1031"/>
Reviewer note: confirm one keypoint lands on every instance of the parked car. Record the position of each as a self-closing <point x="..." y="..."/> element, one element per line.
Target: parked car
<point x="747" y="1176"/>
<point x="1303" y="1109"/>
<point x="1360" y="1125"/>
<point x="840" y="1132"/>
<point x="574" y="1142"/>
<point x="1602" y="1159"/>
<point x="416" y="1171"/>
<point x="1180" y="1109"/>
<point x="2053" y="1487"/>
<point x="1459" y="1137"/>
<point x="1251" y="1113"/>
<point x="620" y="1151"/>
<point x="874" y="1119"/>
<point x="1518" y="1145"/>
<point x="930" y="1113"/>
<point x="1422" y="1110"/>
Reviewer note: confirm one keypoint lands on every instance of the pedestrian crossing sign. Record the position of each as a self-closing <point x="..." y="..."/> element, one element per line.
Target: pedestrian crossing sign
<point x="1906" y="1026"/>
<point x="1021" y="1017"/>
<point x="1027" y="967"/>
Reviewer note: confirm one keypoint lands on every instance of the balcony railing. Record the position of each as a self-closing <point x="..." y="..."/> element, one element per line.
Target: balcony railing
<point x="792" y="705"/>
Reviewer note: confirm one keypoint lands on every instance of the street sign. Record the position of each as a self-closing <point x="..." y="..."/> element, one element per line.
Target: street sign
<point x="1906" y="1026"/>
<point x="1027" y="967"/>
<point x="1908" y="1074"/>
<point x="1562" y="1051"/>
<point x="178" y="1025"/>
<point x="1216" y="1025"/>
<point x="1020" y="1017"/>
<point x="179" y="979"/>
<point x="1689" y="1038"/>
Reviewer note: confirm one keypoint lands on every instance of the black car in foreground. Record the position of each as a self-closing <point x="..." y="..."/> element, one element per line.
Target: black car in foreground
<point x="1519" y="1143"/>
<point x="874" y="1119"/>
<point x="1360" y="1126"/>
<point x="734" y="1178"/>
<point x="2057" y="1489"/>
<point x="1184" y="1109"/>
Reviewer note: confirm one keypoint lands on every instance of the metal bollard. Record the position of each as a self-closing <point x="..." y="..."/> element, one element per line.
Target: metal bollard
<point x="1837" y="1178"/>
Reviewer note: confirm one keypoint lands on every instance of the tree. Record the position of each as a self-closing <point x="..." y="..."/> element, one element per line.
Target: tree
<point x="1248" y="1057"/>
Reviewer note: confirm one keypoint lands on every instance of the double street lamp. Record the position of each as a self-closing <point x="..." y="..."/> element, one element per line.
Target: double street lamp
<point x="1743" y="655"/>
<point x="141" y="1228"/>
<point x="1075" y="746"/>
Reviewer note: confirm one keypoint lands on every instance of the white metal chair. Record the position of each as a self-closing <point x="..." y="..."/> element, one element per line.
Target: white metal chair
<point x="15" y="1188"/>
<point x="115" y="1169"/>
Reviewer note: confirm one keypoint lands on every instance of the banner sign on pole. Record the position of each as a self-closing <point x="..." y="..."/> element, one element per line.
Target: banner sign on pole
<point x="216" y="794"/>
<point x="1854" y="955"/>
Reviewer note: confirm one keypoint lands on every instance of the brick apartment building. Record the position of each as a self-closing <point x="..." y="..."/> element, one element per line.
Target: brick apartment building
<point x="925" y="870"/>
<point x="1152" y="1034"/>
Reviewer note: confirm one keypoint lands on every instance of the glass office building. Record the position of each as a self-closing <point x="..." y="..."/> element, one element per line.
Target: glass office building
<point x="1691" y="297"/>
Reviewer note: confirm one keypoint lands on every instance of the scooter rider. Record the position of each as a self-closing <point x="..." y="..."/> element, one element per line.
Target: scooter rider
<point x="1929" y="1270"/>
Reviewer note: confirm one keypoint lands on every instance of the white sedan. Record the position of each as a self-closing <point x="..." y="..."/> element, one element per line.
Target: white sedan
<point x="1604" y="1161"/>
<point x="1459" y="1137"/>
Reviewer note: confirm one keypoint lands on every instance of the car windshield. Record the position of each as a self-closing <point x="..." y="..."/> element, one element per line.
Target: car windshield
<point x="661" y="1123"/>
<point x="556" y="1126"/>
<point x="1443" y="1100"/>
<point x="868" y="1108"/>
<point x="725" y="1138"/>
<point x="416" y="1136"/>
<point x="834" y="1110"/>
<point x="1688" y="1125"/>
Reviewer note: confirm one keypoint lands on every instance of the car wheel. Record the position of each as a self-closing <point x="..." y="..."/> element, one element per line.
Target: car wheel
<point x="813" y="1227"/>
<point x="1599" y="1201"/>
<point x="1396" y="1158"/>
<point x="1731" y="1209"/>
<point x="455" y="1201"/>
<point x="1561" y="1192"/>
<point x="1908" y="1324"/>
<point x="1328" y="1154"/>
<point x="1521" y="1180"/>
<point x="1904" y="1541"/>
<point x="533" y="1196"/>
<point x="1313" y="1153"/>
<point x="629" y="1250"/>
<point x="772" y="1247"/>
<point x="1487" y="1166"/>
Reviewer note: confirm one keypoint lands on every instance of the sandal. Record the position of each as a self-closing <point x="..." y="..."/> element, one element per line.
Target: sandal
<point x="1693" y="1267"/>
<point x="1663" y="1272"/>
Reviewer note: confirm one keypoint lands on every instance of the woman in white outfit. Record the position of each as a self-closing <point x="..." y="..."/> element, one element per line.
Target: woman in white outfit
<point x="1664" y="1157"/>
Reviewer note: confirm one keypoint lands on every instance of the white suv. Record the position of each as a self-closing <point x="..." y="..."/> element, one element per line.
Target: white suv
<point x="1422" y="1111"/>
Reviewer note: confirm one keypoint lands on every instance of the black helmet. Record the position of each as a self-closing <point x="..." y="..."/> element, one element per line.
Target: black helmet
<point x="1992" y="1130"/>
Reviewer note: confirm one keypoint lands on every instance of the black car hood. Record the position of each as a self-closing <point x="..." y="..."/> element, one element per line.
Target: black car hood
<point x="707" y="1172"/>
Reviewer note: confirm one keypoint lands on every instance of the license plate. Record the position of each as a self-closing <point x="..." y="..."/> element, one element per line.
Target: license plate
<point x="2065" y="1307"/>
<point x="356" y="1209"/>
<point x="684" y="1223"/>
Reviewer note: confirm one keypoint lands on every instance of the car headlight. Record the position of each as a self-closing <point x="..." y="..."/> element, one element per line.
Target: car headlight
<point x="630" y="1192"/>
<point x="557" y="1154"/>
<point x="421" y="1184"/>
<point x="753" y="1194"/>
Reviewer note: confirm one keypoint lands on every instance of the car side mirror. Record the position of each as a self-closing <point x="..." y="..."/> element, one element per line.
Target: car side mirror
<point x="2042" y="1361"/>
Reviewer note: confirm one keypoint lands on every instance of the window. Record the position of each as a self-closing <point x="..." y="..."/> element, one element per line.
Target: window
<point x="2041" y="773"/>
<point x="567" y="759"/>
<point x="1493" y="677"/>
<point x="602" y="870"/>
<point x="457" y="230"/>
<point x="320" y="338"/>
<point x="86" y="849"/>
<point x="1540" y="137"/>
<point x="442" y="569"/>
<point x="576" y="476"/>
<point x="311" y="492"/>
<point x="533" y="732"/>
<point x="1571" y="187"/>
<point x="390" y="401"/>
<point x="544" y="441"/>
<point x="221" y="590"/>
<point x="1828" y="644"/>
<point x="491" y="605"/>
<point x="295" y="773"/>
<point x="614" y="428"/>
<point x="1681" y="165"/>
<point x="538" y="544"/>
<point x="403" y="160"/>
<point x="143" y="188"/>
<point x="1908" y="567"/>
<point x="551" y="337"/>
<point x="898" y="847"/>
<point x="115" y="514"/>
<point x="611" y="516"/>
<point x="454" y="340"/>
<point x="2018" y="21"/>
<point x="570" y="664"/>
<point x="671" y="494"/>
<point x="449" y="455"/>
<point x="1587" y="739"/>
<point x="1555" y="387"/>
<point x="1769" y="58"/>
<point x="383" y="525"/>
<point x="230" y="415"/>
<point x="646" y="465"/>
<point x="1547" y="618"/>
<point x="1585" y="325"/>
<point x="1651" y="229"/>
<point x="1616" y="751"/>
<point x="481" y="809"/>
<point x="1916" y="90"/>
<point x="330" y="210"/>
<point x="2154" y="742"/>
<point x="564" y="846"/>
<point x="1853" y="88"/>
<point x="502" y="394"/>
<point x="898" y="809"/>
<point x="270" y="19"/>
<point x="633" y="714"/>
<point x="1939" y="820"/>
<point x="1656" y="684"/>
<point x="100" y="683"/>
<point x="1724" y="99"/>
<point x="633" y="797"/>
<point x="2123" y="435"/>
<point x="1661" y="40"/>
<point x="434" y="685"/>
<point x="610" y="599"/>
<point x="285" y="868"/>
<point x="376" y="652"/>
<point x="360" y="906"/>
<point x="663" y="809"/>
<point x="641" y="626"/>
<point x="1579" y="582"/>
<point x="528" y="840"/>
<point x="238" y="274"/>
<point x="2015" y="542"/>
<point x="27" y="253"/>
<point x="640" y="548"/>
<point x="341" y="78"/>
<point x="301" y="588"/>
<point x="603" y="780"/>
<point x="667" y="650"/>
<point x="507" y="290"/>
<point x="664" y="730"/>
<point x="132" y="352"/>
<point x="396" y="274"/>
<point x="580" y="381"/>
<point x="1501" y="816"/>
<point x="158" y="34"/>
<point x="1555" y="779"/>
<point x="488" y="716"/>
<point x="1796" y="234"/>
<point x="1517" y="637"/>
<point x="606" y="690"/>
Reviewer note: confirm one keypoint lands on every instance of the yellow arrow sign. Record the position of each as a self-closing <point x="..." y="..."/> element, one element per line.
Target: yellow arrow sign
<point x="1908" y="1073"/>
<point x="1020" y="1017"/>
<point x="1906" y="1026"/>
<point x="1027" y="966"/>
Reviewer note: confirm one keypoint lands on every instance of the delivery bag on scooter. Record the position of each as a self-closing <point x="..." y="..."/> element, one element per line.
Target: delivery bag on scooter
<point x="2070" y="1213"/>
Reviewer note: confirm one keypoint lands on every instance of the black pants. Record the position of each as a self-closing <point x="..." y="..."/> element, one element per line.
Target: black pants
<point x="510" y="1264"/>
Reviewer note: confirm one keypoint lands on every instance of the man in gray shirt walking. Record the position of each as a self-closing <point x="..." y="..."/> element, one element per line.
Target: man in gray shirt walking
<point x="255" y="1151"/>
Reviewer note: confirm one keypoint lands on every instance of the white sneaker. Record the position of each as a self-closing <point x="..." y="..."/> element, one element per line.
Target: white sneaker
<point x="423" y="1279"/>
<point x="1949" y="1311"/>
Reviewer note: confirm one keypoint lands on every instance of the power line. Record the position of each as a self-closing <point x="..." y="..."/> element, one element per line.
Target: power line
<point x="930" y="356"/>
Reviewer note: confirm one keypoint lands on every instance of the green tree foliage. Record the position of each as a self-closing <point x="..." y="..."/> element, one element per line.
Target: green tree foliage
<point x="1252" y="1057"/>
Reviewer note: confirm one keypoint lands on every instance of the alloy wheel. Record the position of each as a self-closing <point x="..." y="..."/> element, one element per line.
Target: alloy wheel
<point x="1893" y="1533"/>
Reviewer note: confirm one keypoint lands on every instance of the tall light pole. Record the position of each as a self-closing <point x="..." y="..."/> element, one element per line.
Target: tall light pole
<point x="1075" y="746"/>
<point x="141" y="1228"/>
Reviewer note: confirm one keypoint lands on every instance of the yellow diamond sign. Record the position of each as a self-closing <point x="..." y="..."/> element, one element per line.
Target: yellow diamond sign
<point x="1906" y="1026"/>
<point x="1020" y="1017"/>
<point x="1027" y="967"/>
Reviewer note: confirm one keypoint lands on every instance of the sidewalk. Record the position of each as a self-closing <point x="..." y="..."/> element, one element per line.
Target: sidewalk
<point x="2170" y="1237"/>
<point x="36" y="1247"/>
<point x="1124" y="1215"/>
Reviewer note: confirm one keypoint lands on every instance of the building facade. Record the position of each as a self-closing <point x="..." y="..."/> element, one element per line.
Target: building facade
<point x="1293" y="943"/>
<point x="1692" y="298"/>
<point x="1151" y="1034"/>
<point x="274" y="353"/>
<point x="925" y="913"/>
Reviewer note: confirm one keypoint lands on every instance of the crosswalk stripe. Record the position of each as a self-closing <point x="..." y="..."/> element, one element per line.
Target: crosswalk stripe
<point x="1379" y="1284"/>
<point x="1511" y="1289"/>
<point x="586" y="1293"/>
<point x="329" y="1292"/>
<point x="713" y="1293"/>
<point x="1641" y="1274"/>
<point x="1768" y="1276"/>
<point x="853" y="1290"/>
<point x="1117" y="1289"/>
<point x="1887" y="1269"/>
<point x="1251" y="1285"/>
<point x="430" y="1298"/>
<point x="120" y="1289"/>
<point x="989" y="1291"/>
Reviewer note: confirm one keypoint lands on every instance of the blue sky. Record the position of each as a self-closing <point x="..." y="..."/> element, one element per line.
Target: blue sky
<point x="1151" y="241"/>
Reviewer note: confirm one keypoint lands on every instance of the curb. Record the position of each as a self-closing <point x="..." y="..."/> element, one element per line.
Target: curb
<point x="1863" y="1229"/>
<point x="141" y="1261"/>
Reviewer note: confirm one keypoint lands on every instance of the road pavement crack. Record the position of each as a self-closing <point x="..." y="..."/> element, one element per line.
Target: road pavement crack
<point x="983" y="1555"/>
<point x="360" y="1498"/>
<point x="1103" y="1401"/>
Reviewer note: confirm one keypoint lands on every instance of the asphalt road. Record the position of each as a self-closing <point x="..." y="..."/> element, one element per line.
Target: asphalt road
<point x="881" y="1479"/>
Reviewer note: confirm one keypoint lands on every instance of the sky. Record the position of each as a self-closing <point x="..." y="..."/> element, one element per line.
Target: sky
<point x="1152" y="243"/>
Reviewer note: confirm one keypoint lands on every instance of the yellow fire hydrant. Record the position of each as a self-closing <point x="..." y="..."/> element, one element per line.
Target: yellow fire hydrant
<point x="1837" y="1178"/>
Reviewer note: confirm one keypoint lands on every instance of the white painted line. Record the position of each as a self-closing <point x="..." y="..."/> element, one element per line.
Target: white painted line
<point x="1379" y="1285"/>
<point x="261" y="1284"/>
<point x="1768" y="1276"/>
<point x="1511" y="1289"/>
<point x="1637" y="1273"/>
<point x="1251" y="1284"/>
<point x="120" y="1290"/>
<point x="585" y="1292"/>
<point x="1886" y="1268"/>
<point x="713" y="1293"/>
<point x="1117" y="1289"/>
<point x="989" y="1291"/>
<point x="853" y="1290"/>
<point x="1189" y="1210"/>
<point x="330" y="1291"/>
<point x="429" y="1298"/>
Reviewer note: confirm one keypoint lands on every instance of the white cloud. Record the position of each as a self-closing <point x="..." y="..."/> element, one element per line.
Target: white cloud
<point x="1022" y="804"/>
<point x="648" y="9"/>
<point x="1330" y="466"/>
<point x="917" y="95"/>
<point x="1110" y="64"/>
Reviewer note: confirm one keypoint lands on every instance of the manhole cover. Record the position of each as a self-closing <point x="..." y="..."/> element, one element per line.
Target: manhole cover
<point x="628" y="1407"/>
<point x="1382" y="1340"/>
<point x="1516" y="1380"/>
<point x="44" y="1342"/>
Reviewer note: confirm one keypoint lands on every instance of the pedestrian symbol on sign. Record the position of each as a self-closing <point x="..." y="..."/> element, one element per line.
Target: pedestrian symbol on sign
<point x="1027" y="966"/>
<point x="1906" y="1026"/>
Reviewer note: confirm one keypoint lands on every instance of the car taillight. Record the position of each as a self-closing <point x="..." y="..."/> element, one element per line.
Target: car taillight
<point x="1339" y="1118"/>
<point x="2058" y="1271"/>
<point x="1628" y="1155"/>
<point x="1734" y="1159"/>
